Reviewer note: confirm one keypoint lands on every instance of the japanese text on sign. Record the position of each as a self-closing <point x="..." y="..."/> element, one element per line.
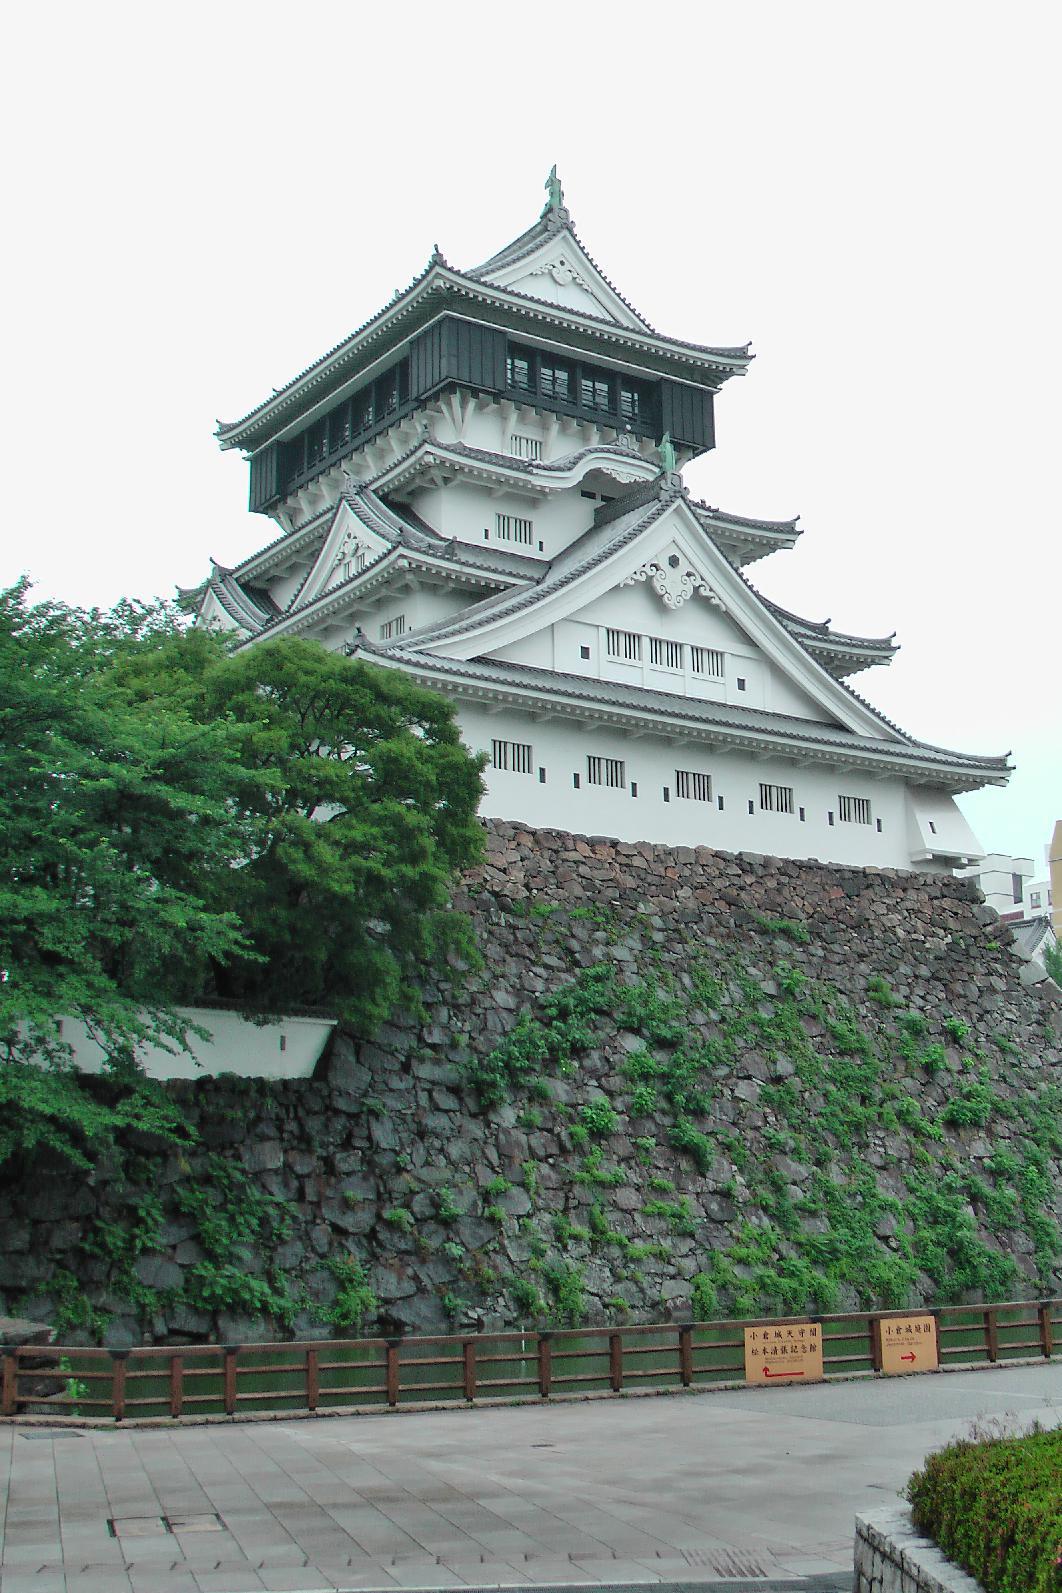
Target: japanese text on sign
<point x="788" y="1353"/>
<point x="908" y="1344"/>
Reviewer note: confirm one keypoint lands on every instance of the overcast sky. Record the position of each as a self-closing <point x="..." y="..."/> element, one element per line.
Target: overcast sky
<point x="205" y="198"/>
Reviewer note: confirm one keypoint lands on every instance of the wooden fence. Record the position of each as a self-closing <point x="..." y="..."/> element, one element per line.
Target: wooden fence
<point x="365" y="1375"/>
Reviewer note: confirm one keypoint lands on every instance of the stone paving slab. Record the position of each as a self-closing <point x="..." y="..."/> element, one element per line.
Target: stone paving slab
<point x="763" y="1485"/>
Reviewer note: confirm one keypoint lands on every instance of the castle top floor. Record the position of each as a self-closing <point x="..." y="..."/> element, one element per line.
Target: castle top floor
<point x="537" y="328"/>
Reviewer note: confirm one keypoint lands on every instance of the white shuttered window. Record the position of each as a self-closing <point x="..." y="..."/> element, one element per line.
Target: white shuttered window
<point x="708" y="661"/>
<point x="516" y="756"/>
<point x="776" y="798"/>
<point x="606" y="771"/>
<point x="666" y="655"/>
<point x="853" y="810"/>
<point x="690" y="783"/>
<point x="624" y="645"/>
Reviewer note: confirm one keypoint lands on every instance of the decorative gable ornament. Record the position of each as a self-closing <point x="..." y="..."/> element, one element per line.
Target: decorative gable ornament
<point x="673" y="580"/>
<point x="562" y="274"/>
<point x="520" y="561"/>
<point x="350" y="551"/>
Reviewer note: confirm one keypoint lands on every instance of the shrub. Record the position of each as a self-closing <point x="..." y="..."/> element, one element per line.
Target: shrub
<point x="995" y="1508"/>
<point x="784" y="926"/>
<point x="528" y="1302"/>
<point x="565" y="1285"/>
<point x="355" y="1299"/>
<point x="704" y="1298"/>
<point x="879" y="990"/>
<point x="685" y="1137"/>
<point x="643" y="1101"/>
<point x="598" y="1118"/>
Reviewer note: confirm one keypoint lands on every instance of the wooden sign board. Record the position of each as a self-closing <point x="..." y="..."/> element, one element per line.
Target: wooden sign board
<point x="788" y="1353"/>
<point x="908" y="1344"/>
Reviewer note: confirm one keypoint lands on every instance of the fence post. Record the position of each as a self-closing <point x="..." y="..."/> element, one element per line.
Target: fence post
<point x="1045" y="1328"/>
<point x="545" y="1364"/>
<point x="991" y="1335"/>
<point x="469" y="1352"/>
<point x="615" y="1361"/>
<point x="118" y="1360"/>
<point x="229" y="1378"/>
<point x="875" y="1343"/>
<point x="176" y="1385"/>
<point x="9" y="1396"/>
<point x="313" y="1379"/>
<point x="392" y="1371"/>
<point x="686" y="1355"/>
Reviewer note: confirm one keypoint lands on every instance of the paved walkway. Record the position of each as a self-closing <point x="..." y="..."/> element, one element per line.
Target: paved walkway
<point x="692" y="1488"/>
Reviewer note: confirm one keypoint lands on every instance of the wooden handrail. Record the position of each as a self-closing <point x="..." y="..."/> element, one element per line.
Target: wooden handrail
<point x="524" y="1364"/>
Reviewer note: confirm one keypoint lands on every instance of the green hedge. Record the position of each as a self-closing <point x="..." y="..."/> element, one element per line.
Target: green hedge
<point x="995" y="1508"/>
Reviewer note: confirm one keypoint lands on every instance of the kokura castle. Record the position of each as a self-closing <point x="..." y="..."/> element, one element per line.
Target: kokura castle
<point x="482" y="487"/>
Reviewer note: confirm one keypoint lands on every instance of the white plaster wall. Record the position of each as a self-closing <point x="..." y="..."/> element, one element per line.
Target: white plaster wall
<point x="937" y="831"/>
<point x="561" y="749"/>
<point x="283" y="588"/>
<point x="781" y="696"/>
<point x="537" y="650"/>
<point x="283" y="1048"/>
<point x="465" y="510"/>
<point x="698" y="623"/>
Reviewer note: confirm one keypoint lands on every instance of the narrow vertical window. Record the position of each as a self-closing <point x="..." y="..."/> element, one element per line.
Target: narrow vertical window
<point x="523" y="447"/>
<point x="515" y="756"/>
<point x="853" y="810"/>
<point x="708" y="661"/>
<point x="664" y="654"/>
<point x="512" y="528"/>
<point x="606" y="771"/>
<point x="624" y="645"/>
<point x="776" y="798"/>
<point x="694" y="786"/>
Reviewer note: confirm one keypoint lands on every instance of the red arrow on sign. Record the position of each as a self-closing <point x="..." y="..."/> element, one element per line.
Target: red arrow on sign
<point x="907" y="1357"/>
<point x="768" y="1373"/>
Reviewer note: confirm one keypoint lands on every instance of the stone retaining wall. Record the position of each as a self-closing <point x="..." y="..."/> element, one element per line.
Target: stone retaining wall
<point x="729" y="1191"/>
<point x="891" y="1557"/>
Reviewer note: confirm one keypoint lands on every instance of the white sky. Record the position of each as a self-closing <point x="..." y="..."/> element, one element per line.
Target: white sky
<point x="204" y="198"/>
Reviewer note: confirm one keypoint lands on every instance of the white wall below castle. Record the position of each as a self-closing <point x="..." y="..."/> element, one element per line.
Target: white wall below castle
<point x="561" y="749"/>
<point x="277" y="1048"/>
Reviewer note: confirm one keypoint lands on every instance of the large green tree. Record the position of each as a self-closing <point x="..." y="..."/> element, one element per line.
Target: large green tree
<point x="360" y="799"/>
<point x="279" y="826"/>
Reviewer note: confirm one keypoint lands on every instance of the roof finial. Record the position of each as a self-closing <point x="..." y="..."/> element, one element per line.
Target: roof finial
<point x="665" y="449"/>
<point x="552" y="185"/>
<point x="437" y="256"/>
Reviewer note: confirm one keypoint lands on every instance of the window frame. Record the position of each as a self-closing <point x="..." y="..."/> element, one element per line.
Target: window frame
<point x="601" y="770"/>
<point x="777" y="798"/>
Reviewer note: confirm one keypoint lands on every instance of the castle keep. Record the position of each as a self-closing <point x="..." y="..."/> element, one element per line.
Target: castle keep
<point x="482" y="487"/>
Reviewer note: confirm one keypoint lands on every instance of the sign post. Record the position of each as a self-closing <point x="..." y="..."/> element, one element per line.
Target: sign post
<point x="908" y="1344"/>
<point x="790" y="1352"/>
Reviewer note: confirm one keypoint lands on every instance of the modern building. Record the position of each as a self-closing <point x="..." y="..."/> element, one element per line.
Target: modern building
<point x="1039" y="898"/>
<point x="1004" y="882"/>
<point x="482" y="487"/>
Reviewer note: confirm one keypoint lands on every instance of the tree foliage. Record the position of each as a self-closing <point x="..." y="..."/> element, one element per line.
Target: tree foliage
<point x="178" y="823"/>
<point x="1053" y="962"/>
<point x="359" y="803"/>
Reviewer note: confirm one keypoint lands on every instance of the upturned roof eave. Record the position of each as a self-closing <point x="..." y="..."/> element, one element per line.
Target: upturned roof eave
<point x="791" y="739"/>
<point x="395" y="560"/>
<point x="273" y="411"/>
